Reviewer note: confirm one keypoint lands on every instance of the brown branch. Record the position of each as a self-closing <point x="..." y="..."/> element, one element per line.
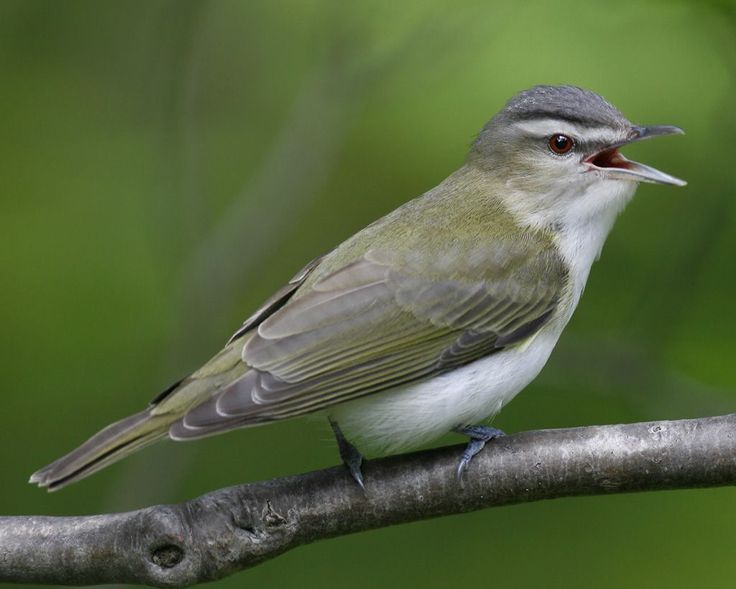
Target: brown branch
<point x="238" y="527"/>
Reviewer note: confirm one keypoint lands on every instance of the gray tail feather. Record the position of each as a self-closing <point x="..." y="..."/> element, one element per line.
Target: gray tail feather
<point x="107" y="446"/>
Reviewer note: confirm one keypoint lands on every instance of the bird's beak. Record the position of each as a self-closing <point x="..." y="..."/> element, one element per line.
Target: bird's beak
<point x="616" y="165"/>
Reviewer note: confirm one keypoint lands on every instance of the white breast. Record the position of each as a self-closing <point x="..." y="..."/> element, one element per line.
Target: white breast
<point x="403" y="418"/>
<point x="410" y="416"/>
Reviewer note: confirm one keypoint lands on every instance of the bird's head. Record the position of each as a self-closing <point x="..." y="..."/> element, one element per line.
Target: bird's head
<point x="554" y="150"/>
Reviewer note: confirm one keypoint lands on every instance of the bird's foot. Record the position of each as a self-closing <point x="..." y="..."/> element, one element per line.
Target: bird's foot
<point x="479" y="435"/>
<point x="350" y="455"/>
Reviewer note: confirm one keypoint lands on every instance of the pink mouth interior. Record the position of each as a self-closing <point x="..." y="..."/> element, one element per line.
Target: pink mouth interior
<point x="608" y="158"/>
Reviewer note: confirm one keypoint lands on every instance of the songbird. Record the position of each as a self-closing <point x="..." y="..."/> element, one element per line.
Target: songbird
<point x="430" y="319"/>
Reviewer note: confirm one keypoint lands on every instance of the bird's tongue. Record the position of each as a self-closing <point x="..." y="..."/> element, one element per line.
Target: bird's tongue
<point x="609" y="158"/>
<point x="617" y="166"/>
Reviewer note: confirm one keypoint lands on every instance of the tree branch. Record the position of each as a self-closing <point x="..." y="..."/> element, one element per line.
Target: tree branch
<point x="238" y="527"/>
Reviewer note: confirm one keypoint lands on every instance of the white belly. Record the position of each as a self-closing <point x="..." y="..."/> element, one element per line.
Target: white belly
<point x="410" y="416"/>
<point x="407" y="417"/>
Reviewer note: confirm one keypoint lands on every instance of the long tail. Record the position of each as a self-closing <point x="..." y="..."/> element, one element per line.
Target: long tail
<point x="133" y="433"/>
<point x="105" y="447"/>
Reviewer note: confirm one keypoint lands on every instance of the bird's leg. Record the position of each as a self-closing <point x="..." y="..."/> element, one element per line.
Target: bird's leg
<point x="479" y="435"/>
<point x="350" y="455"/>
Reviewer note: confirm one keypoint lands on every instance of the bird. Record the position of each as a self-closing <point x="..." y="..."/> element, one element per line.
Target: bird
<point x="432" y="318"/>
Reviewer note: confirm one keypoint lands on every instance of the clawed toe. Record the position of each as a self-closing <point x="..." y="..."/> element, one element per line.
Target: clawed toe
<point x="479" y="435"/>
<point x="350" y="455"/>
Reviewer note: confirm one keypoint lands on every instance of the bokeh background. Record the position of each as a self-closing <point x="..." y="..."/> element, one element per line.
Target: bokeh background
<point x="165" y="165"/>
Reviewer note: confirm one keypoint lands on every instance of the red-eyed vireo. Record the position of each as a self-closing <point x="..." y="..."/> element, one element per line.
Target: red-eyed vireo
<point x="432" y="318"/>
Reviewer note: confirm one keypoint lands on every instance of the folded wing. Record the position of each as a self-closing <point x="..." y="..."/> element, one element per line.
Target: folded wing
<point x="382" y="321"/>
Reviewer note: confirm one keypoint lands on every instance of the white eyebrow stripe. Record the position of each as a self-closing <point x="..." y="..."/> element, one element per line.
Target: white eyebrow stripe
<point x="548" y="127"/>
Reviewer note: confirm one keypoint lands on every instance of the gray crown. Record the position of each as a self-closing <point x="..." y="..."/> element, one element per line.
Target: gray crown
<point x="568" y="103"/>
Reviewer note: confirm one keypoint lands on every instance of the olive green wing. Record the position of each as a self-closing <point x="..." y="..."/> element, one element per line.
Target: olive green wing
<point x="277" y="300"/>
<point x="379" y="322"/>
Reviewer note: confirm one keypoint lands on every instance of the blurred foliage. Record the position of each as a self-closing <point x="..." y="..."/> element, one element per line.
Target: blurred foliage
<point x="164" y="166"/>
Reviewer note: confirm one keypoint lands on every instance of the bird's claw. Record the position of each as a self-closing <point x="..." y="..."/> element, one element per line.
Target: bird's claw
<point x="479" y="435"/>
<point x="350" y="455"/>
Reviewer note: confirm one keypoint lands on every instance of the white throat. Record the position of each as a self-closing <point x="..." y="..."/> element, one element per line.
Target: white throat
<point x="583" y="230"/>
<point x="580" y="219"/>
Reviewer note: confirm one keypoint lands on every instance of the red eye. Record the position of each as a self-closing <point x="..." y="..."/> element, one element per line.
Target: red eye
<point x="561" y="144"/>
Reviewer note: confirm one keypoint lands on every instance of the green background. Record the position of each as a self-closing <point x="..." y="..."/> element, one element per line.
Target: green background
<point x="165" y="166"/>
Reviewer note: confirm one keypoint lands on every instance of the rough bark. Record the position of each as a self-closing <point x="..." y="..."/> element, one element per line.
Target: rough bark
<point x="238" y="527"/>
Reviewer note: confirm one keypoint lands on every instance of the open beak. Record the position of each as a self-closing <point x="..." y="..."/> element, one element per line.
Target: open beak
<point x="616" y="165"/>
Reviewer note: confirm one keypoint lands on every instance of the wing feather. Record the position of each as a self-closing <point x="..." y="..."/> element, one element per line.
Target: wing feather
<point x="378" y="322"/>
